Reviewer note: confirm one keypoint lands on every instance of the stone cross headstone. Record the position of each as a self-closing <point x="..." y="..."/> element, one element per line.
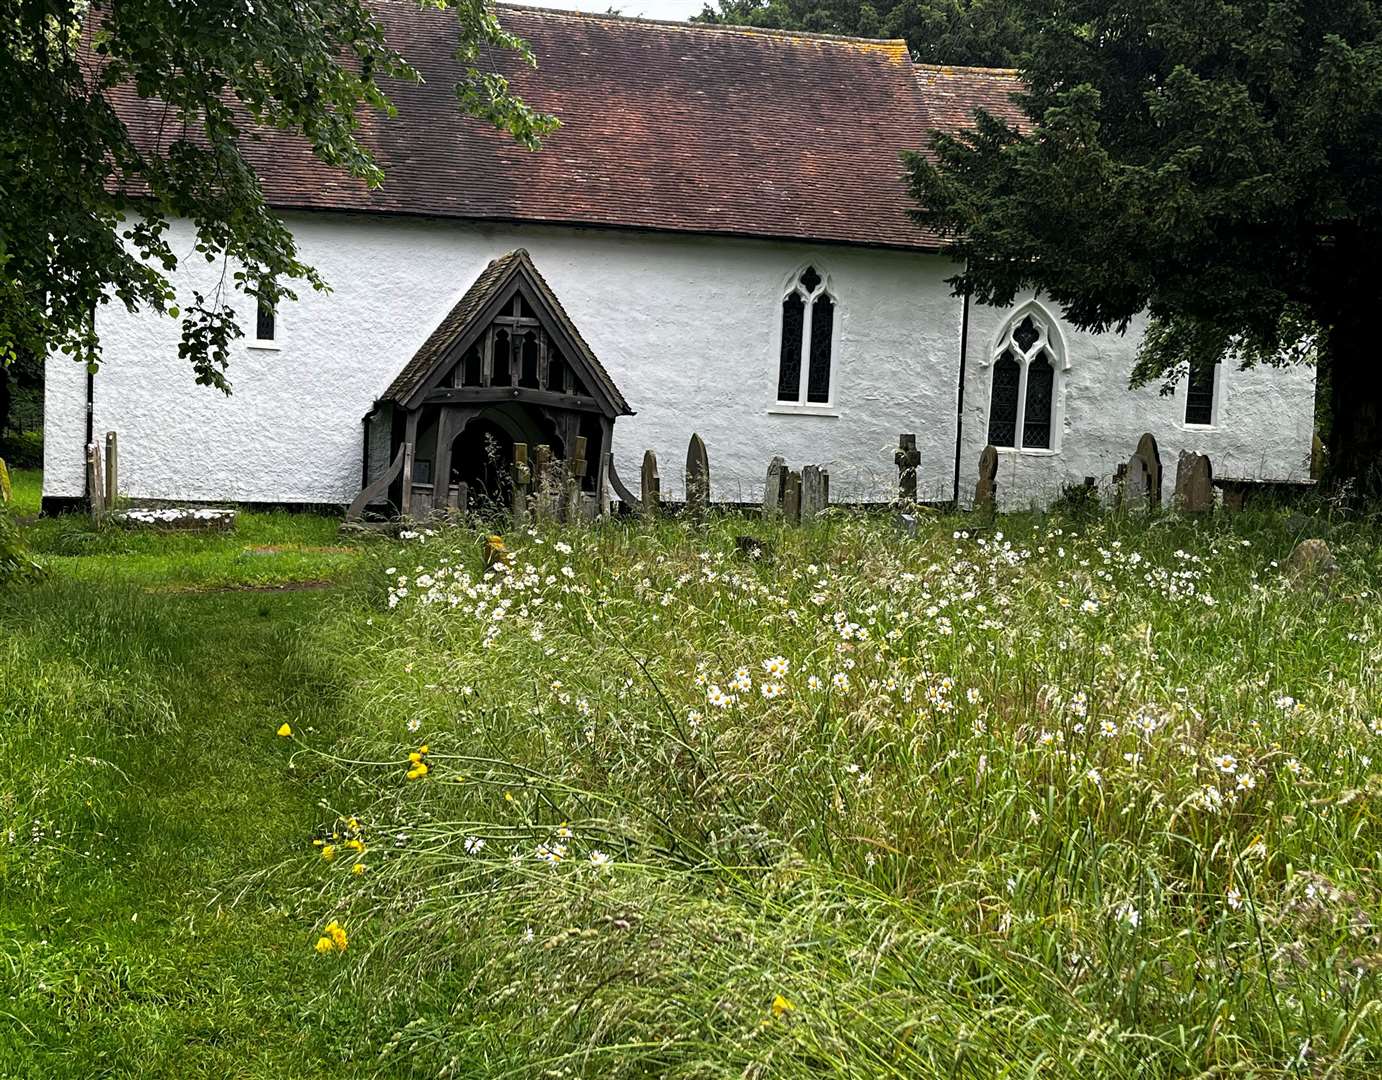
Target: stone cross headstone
<point x="774" y="486"/>
<point x="815" y="492"/>
<point x="791" y="498"/>
<point x="1151" y="456"/>
<point x="908" y="458"/>
<point x="697" y="477"/>
<point x="1194" y="483"/>
<point x="986" y="490"/>
<point x="650" y="492"/>
<point x="1135" y="481"/>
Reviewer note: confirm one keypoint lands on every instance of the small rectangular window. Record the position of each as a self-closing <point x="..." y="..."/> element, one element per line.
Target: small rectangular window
<point x="1199" y="395"/>
<point x="264" y="322"/>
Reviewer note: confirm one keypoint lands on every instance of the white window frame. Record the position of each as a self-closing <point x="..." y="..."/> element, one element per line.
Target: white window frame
<point x="1048" y="338"/>
<point x="1215" y="404"/>
<point x="273" y="344"/>
<point x="801" y="406"/>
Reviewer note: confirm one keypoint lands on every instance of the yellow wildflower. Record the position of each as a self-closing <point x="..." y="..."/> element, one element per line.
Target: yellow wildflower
<point x="423" y="748"/>
<point x="415" y="757"/>
<point x="325" y="945"/>
<point x="285" y="731"/>
<point x="358" y="868"/>
<point x="418" y="771"/>
<point x="781" y="1006"/>
<point x="337" y="934"/>
<point x="356" y="844"/>
<point x="329" y="852"/>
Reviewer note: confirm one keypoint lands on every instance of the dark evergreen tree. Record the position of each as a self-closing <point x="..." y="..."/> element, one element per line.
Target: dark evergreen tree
<point x="1216" y="165"/>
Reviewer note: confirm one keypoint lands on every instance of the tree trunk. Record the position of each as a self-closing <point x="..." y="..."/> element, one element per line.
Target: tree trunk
<point x="1354" y="435"/>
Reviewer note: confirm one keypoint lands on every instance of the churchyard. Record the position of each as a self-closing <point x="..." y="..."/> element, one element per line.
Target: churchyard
<point x="1080" y="793"/>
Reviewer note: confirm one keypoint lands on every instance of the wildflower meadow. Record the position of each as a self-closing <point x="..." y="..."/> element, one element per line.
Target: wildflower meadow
<point x="1060" y="799"/>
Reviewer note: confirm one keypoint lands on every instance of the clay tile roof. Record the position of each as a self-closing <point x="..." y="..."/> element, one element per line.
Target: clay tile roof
<point x="492" y="280"/>
<point x="666" y="126"/>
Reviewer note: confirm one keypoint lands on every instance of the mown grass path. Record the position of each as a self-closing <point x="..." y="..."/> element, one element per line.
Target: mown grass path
<point x="123" y="951"/>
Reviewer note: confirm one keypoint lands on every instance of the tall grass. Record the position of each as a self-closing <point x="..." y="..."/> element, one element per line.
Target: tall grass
<point x="1070" y="801"/>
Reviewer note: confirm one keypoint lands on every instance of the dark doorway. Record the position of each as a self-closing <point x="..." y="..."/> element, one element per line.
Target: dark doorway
<point x="480" y="458"/>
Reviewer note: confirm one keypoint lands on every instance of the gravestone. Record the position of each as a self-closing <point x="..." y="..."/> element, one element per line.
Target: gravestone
<point x="791" y="498"/>
<point x="1136" y="477"/>
<point x="1311" y="560"/>
<point x="697" y="477"/>
<point x="986" y="490"/>
<point x="1194" y="483"/>
<point x="815" y="492"/>
<point x="773" y="487"/>
<point x="522" y="478"/>
<point x="651" y="486"/>
<point x="908" y="458"/>
<point x="572" y="509"/>
<point x="1151" y="456"/>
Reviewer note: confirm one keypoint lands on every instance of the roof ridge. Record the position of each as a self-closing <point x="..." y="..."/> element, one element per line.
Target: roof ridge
<point x="968" y="69"/>
<point x="696" y="27"/>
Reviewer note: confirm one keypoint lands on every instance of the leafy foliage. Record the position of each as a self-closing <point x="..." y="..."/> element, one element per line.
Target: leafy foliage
<point x="1215" y="165"/>
<point x="87" y="205"/>
<point x="937" y="31"/>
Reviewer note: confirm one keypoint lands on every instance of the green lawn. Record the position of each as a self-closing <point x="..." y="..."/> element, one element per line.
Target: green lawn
<point x="1041" y="798"/>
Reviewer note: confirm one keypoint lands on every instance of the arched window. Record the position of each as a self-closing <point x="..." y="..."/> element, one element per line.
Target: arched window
<point x="1022" y="402"/>
<point x="808" y="334"/>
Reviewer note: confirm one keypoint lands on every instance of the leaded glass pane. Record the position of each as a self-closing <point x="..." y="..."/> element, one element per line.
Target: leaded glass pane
<point x="818" y="371"/>
<point x="810" y="280"/>
<point x="1003" y="402"/>
<point x="1026" y="335"/>
<point x="1199" y="394"/>
<point x="789" y="368"/>
<point x="1041" y="381"/>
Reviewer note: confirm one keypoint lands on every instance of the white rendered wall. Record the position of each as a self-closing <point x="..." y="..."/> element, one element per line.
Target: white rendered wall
<point x="1264" y="417"/>
<point x="687" y="326"/>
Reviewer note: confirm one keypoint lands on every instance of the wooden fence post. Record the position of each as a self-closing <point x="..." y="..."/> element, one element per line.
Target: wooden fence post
<point x="95" y="483"/>
<point x="112" y="477"/>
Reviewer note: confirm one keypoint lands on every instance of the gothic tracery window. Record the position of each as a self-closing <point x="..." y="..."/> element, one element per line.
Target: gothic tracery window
<point x="1022" y="401"/>
<point x="808" y="332"/>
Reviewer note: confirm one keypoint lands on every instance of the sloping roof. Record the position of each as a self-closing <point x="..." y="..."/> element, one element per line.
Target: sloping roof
<point x="493" y="280"/>
<point x="667" y="126"/>
<point x="953" y="94"/>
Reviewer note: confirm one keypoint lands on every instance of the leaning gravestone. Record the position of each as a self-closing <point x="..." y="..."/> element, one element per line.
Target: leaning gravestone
<point x="791" y="498"/>
<point x="986" y="490"/>
<point x="1194" y="483"/>
<point x="650" y="489"/>
<point x="774" y="487"/>
<point x="815" y="492"/>
<point x="697" y="477"/>
<point x="1136" y="484"/>
<point x="1151" y="456"/>
<point x="1311" y="560"/>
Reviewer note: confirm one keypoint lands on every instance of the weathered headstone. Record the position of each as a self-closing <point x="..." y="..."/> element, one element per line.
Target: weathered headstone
<point x="95" y="482"/>
<point x="1194" y="483"/>
<point x="522" y="478"/>
<point x="651" y="486"/>
<point x="908" y="458"/>
<point x="986" y="490"/>
<point x="112" y="477"/>
<point x="774" y="486"/>
<point x="791" y="498"/>
<point x="1311" y="560"/>
<point x="6" y="492"/>
<point x="1135" y="492"/>
<point x="543" y="502"/>
<point x="815" y="492"/>
<point x="1147" y="450"/>
<point x="697" y="477"/>
<point x="575" y="475"/>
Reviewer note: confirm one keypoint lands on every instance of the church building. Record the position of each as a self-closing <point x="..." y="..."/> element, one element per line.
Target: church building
<point x="716" y="240"/>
